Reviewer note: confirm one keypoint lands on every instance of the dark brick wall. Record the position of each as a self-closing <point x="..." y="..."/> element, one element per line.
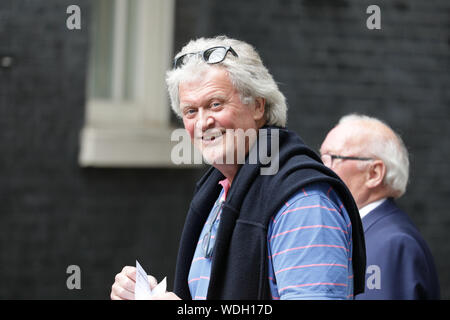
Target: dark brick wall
<point x="53" y="213"/>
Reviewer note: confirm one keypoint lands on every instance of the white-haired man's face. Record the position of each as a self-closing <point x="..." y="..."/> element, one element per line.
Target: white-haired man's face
<point x="210" y="106"/>
<point x="339" y="142"/>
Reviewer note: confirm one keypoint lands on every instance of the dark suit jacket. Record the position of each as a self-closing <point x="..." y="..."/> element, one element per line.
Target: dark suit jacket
<point x="399" y="262"/>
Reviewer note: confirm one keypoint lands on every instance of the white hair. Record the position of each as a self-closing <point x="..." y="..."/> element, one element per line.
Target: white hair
<point x="385" y="145"/>
<point x="247" y="74"/>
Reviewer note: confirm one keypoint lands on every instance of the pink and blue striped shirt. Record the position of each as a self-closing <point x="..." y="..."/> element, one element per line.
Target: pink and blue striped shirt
<point x="309" y="245"/>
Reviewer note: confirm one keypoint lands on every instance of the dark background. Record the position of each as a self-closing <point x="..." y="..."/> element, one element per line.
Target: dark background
<point x="54" y="213"/>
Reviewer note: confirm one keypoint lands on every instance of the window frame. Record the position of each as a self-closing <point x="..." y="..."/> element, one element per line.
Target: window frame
<point x="135" y="132"/>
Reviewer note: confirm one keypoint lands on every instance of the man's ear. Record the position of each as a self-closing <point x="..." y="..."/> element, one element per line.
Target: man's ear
<point x="375" y="174"/>
<point x="260" y="106"/>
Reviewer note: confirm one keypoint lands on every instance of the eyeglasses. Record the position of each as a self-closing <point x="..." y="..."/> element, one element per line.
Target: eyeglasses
<point x="212" y="55"/>
<point x="327" y="159"/>
<point x="207" y="246"/>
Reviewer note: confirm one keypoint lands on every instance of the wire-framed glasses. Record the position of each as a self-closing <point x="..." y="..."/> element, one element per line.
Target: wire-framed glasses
<point x="207" y="245"/>
<point x="327" y="159"/>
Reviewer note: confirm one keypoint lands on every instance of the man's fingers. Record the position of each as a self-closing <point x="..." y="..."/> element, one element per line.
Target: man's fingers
<point x="114" y="297"/>
<point x="123" y="287"/>
<point x="130" y="272"/>
<point x="125" y="282"/>
<point x="121" y="293"/>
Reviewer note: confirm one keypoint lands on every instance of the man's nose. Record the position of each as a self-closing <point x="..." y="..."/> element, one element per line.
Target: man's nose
<point x="205" y="120"/>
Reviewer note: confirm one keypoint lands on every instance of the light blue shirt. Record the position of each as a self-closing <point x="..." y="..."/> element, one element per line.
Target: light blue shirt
<point x="309" y="245"/>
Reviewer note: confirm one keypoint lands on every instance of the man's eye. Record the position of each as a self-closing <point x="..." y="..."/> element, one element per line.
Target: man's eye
<point x="216" y="104"/>
<point x="189" y="111"/>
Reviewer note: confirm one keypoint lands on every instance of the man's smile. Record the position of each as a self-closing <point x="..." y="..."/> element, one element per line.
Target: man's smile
<point x="211" y="136"/>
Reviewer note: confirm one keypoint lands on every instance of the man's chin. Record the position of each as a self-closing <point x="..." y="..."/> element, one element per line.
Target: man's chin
<point x="218" y="155"/>
<point x="213" y="160"/>
<point x="211" y="154"/>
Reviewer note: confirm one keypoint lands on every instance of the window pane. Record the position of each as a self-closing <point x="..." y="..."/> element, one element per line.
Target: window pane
<point x="130" y="51"/>
<point x="100" y="71"/>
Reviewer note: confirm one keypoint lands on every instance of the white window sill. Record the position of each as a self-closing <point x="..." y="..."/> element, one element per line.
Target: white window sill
<point x="138" y="148"/>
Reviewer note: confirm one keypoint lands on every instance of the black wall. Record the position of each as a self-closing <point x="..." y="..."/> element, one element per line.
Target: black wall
<point x="54" y="213"/>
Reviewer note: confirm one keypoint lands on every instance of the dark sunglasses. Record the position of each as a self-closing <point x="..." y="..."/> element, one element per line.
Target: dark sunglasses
<point x="212" y="55"/>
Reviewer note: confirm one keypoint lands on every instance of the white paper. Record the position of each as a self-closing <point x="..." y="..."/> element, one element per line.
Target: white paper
<point x="142" y="289"/>
<point x="160" y="288"/>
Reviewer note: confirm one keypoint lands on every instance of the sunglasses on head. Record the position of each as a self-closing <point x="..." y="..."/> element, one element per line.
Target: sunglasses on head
<point x="212" y="55"/>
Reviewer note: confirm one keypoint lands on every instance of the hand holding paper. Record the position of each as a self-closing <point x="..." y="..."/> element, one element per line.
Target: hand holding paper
<point x="142" y="289"/>
<point x="134" y="283"/>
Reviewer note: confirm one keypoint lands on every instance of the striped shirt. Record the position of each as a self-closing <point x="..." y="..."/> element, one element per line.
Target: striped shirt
<point x="309" y="248"/>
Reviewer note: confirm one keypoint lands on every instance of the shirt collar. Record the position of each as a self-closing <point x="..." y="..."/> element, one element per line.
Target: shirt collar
<point x="364" y="211"/>
<point x="226" y="185"/>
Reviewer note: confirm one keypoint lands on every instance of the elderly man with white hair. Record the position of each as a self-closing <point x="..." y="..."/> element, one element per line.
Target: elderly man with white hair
<point x="289" y="233"/>
<point x="373" y="162"/>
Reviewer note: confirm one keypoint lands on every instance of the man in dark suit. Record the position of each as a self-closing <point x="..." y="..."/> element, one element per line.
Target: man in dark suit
<point x="373" y="162"/>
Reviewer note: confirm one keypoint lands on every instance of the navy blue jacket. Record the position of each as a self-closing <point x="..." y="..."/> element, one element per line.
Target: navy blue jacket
<point x="239" y="262"/>
<point x="399" y="262"/>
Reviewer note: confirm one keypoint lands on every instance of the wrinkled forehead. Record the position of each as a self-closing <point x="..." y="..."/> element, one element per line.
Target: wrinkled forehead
<point x="205" y="76"/>
<point x="213" y="84"/>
